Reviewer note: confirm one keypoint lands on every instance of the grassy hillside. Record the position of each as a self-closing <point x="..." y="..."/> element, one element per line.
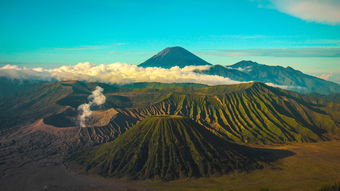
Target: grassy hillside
<point x="168" y="147"/>
<point x="251" y="113"/>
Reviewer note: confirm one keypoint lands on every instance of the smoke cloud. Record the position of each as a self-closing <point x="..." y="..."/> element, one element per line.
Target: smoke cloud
<point x="119" y="73"/>
<point x="97" y="98"/>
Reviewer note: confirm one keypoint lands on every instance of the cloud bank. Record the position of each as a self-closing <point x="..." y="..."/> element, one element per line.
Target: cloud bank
<point x="16" y="72"/>
<point x="97" y="98"/>
<point x="322" y="11"/>
<point x="119" y="73"/>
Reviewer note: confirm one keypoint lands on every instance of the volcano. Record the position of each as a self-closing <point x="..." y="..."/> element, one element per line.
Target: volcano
<point x="167" y="148"/>
<point x="174" y="56"/>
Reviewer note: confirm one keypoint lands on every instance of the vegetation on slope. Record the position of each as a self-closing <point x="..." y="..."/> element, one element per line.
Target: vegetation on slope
<point x="168" y="147"/>
<point x="333" y="187"/>
<point x="313" y="166"/>
<point x="250" y="113"/>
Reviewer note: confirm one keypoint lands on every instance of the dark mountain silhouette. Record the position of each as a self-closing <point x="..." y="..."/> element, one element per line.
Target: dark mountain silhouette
<point x="174" y="56"/>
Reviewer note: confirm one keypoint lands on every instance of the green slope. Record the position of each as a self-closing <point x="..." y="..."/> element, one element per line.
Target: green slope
<point x="252" y="112"/>
<point x="168" y="147"/>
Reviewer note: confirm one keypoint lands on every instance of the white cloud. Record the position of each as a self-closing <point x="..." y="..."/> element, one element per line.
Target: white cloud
<point x="245" y="69"/>
<point x="322" y="11"/>
<point x="13" y="71"/>
<point x="285" y="86"/>
<point x="118" y="73"/>
<point x="195" y="68"/>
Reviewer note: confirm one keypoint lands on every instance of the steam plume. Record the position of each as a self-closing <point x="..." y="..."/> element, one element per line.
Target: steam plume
<point x="95" y="99"/>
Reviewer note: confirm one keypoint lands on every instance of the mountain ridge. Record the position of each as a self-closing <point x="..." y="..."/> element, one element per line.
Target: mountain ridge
<point x="288" y="76"/>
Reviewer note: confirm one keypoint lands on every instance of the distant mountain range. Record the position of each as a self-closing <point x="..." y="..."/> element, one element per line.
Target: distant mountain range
<point x="287" y="78"/>
<point x="279" y="76"/>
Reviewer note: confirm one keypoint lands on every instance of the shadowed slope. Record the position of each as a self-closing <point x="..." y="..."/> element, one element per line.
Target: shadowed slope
<point x="168" y="147"/>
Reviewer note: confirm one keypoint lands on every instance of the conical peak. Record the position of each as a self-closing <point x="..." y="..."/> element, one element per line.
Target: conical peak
<point x="174" y="56"/>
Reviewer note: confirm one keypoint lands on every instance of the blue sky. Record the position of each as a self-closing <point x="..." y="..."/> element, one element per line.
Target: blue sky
<point x="304" y="34"/>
